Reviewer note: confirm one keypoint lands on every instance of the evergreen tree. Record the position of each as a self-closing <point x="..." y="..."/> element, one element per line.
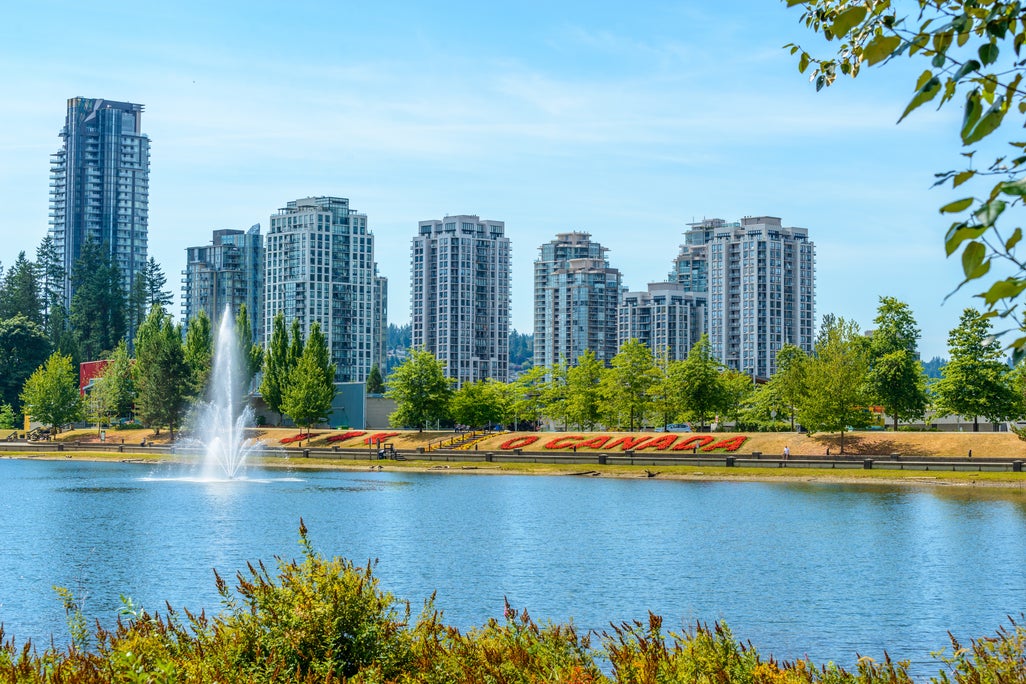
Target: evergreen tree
<point x="51" y="274"/>
<point x="155" y="282"/>
<point x="697" y="381"/>
<point x="98" y="305"/>
<point x="51" y="393"/>
<point x="199" y="352"/>
<point x="896" y="378"/>
<point x="277" y="364"/>
<point x="19" y="293"/>
<point x="251" y="353"/>
<point x="420" y="389"/>
<point x="626" y="386"/>
<point x="838" y="395"/>
<point x="975" y="382"/>
<point x="23" y="348"/>
<point x="118" y="381"/>
<point x="163" y="378"/>
<point x="307" y="397"/>
<point x="375" y="383"/>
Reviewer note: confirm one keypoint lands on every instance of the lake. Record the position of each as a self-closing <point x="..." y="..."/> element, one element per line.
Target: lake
<point x="822" y="570"/>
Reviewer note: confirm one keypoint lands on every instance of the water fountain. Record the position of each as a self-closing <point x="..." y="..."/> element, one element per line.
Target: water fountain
<point x="222" y="421"/>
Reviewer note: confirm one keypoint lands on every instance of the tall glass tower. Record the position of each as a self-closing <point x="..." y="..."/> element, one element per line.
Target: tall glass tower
<point x="99" y="185"/>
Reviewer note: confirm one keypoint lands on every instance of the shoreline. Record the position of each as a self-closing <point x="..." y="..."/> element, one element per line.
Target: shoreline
<point x="1014" y="483"/>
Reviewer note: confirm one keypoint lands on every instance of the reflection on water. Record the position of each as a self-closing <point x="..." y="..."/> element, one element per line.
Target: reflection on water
<point x="826" y="571"/>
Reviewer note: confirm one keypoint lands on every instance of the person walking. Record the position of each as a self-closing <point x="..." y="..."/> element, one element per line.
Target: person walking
<point x="787" y="452"/>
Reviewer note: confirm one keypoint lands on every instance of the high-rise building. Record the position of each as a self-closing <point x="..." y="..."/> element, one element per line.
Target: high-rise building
<point x="319" y="266"/>
<point x="229" y="272"/>
<point x="761" y="287"/>
<point x="667" y="317"/>
<point x="380" y="321"/>
<point x="460" y="296"/>
<point x="576" y="297"/>
<point x="99" y="186"/>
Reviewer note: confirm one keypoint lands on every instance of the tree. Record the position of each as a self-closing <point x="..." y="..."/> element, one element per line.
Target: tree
<point x="251" y="352"/>
<point x="838" y="396"/>
<point x="8" y="419"/>
<point x="697" y="381"/>
<point x="199" y="352"/>
<point x="896" y="378"/>
<point x="420" y="390"/>
<point x="477" y="404"/>
<point x="51" y="393"/>
<point x="526" y="402"/>
<point x="19" y="293"/>
<point x="971" y="51"/>
<point x="155" y="280"/>
<point x="375" y="383"/>
<point x="975" y="382"/>
<point x="23" y="348"/>
<point x="162" y="376"/>
<point x="789" y="385"/>
<point x="277" y="364"/>
<point x="98" y="305"/>
<point x="307" y="396"/>
<point x="737" y="389"/>
<point x="118" y="382"/>
<point x="583" y="390"/>
<point x="626" y="386"/>
<point x="666" y="405"/>
<point x="51" y="275"/>
<point x="555" y="394"/>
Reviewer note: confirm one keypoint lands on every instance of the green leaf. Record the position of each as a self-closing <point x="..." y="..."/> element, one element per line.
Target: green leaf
<point x="973" y="110"/>
<point x="958" y="234"/>
<point x="792" y="3"/>
<point x="880" y="48"/>
<point x="1016" y="187"/>
<point x="987" y="124"/>
<point x="988" y="53"/>
<point x="973" y="264"/>
<point x="962" y="177"/>
<point x="927" y="91"/>
<point x="969" y="67"/>
<point x="803" y="62"/>
<point x="848" y="19"/>
<point x="1003" y="289"/>
<point x="1011" y="242"/>
<point x="957" y="206"/>
<point x="988" y="213"/>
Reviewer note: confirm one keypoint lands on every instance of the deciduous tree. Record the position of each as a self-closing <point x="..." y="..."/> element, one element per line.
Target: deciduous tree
<point x="51" y="393"/>
<point x="23" y="348"/>
<point x="477" y="404"/>
<point x="584" y="393"/>
<point x="896" y="378"/>
<point x="248" y="350"/>
<point x="420" y="390"/>
<point x="975" y="382"/>
<point x="199" y="352"/>
<point x="627" y="384"/>
<point x="971" y="54"/>
<point x="838" y="396"/>
<point x="698" y="382"/>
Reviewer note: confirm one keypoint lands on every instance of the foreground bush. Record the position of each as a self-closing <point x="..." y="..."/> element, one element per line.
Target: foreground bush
<point x="324" y="620"/>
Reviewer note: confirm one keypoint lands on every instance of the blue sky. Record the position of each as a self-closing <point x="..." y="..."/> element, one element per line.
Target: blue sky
<point x="627" y="122"/>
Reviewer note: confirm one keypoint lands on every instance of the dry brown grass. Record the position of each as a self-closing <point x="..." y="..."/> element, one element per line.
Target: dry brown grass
<point x="912" y="444"/>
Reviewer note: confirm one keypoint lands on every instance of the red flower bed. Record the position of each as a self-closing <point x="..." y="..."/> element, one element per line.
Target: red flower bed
<point x="346" y="435"/>
<point x="518" y="442"/>
<point x="561" y="442"/>
<point x="379" y="437"/>
<point x="297" y="438"/>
